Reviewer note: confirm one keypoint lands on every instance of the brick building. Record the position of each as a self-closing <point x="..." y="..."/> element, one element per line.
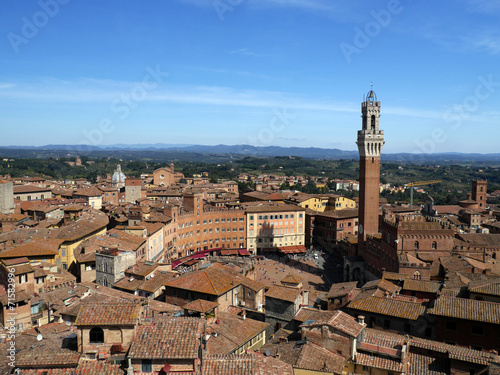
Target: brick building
<point x="479" y="192"/>
<point x="329" y="228"/>
<point x="467" y="322"/>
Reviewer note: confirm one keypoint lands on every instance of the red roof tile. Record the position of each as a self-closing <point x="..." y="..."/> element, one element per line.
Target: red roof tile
<point x="108" y="314"/>
<point x="284" y="293"/>
<point x="388" y="306"/>
<point x="467" y="309"/>
<point x="172" y="338"/>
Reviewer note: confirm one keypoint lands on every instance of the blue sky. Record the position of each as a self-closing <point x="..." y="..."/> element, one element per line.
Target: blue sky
<point x="260" y="72"/>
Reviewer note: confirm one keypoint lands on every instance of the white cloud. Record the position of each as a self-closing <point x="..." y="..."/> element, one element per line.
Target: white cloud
<point x="488" y="43"/>
<point x="90" y="90"/>
<point x="244" y="52"/>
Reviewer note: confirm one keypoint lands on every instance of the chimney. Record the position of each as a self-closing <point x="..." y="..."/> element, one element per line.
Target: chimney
<point x="361" y="319"/>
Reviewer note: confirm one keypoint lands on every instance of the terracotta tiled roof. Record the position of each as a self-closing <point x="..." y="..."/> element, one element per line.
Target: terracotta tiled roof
<point x="341" y="214"/>
<point x="271" y="366"/>
<point x="134" y="241"/>
<point x="200" y="305"/>
<point x="142" y="269"/>
<point x="481" y="239"/>
<point x="128" y="297"/>
<point x="36" y="247"/>
<point x="22" y="268"/>
<point x="19" y="296"/>
<point x="232" y="332"/>
<point x="108" y="314"/>
<point x="248" y="364"/>
<point x="173" y="338"/>
<point x="388" y="364"/>
<point x="383" y="339"/>
<point x="288" y="351"/>
<point x="316" y="358"/>
<point x="151" y="227"/>
<point x="128" y="283"/>
<point x="214" y="280"/>
<point x="468" y="309"/>
<point x="309" y="313"/>
<point x="13" y="261"/>
<point x="454" y="352"/>
<point x="21" y="189"/>
<point x="388" y="286"/>
<point x="84" y="368"/>
<point x="492" y="289"/>
<point x="156" y="282"/>
<point x="44" y="358"/>
<point x="291" y="279"/>
<point x="263" y="208"/>
<point x="425" y="365"/>
<point x="342" y="322"/>
<point x="83" y="227"/>
<point x="422" y="286"/>
<point x="389" y="306"/>
<point x="228" y="365"/>
<point x="346" y="323"/>
<point x="88" y="192"/>
<point x="341" y="289"/>
<point x="284" y="293"/>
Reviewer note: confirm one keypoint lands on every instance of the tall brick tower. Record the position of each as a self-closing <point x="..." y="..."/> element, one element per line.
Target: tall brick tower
<point x="370" y="143"/>
<point x="479" y="192"/>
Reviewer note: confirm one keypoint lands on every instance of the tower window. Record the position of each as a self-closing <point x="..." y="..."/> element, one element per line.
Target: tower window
<point x="416" y="245"/>
<point x="373" y="122"/>
<point x="434" y="245"/>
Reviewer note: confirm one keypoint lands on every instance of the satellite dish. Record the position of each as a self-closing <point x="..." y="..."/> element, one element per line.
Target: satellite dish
<point x="39" y="337"/>
<point x="268" y="352"/>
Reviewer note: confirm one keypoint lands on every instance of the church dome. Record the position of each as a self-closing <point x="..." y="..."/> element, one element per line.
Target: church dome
<point x="118" y="176"/>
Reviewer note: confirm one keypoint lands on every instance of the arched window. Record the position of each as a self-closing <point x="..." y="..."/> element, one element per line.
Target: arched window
<point x="434" y="245"/>
<point x="96" y="336"/>
<point x="373" y="122"/>
<point x="416" y="245"/>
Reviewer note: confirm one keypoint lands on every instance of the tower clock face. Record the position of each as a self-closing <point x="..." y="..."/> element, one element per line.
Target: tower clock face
<point x="361" y="228"/>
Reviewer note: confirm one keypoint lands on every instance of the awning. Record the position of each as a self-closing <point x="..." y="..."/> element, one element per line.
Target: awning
<point x="198" y="256"/>
<point x="292" y="249"/>
<point x="243" y="252"/>
<point x="229" y="252"/>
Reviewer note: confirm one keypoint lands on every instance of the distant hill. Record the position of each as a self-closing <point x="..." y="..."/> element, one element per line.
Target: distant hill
<point x="196" y="152"/>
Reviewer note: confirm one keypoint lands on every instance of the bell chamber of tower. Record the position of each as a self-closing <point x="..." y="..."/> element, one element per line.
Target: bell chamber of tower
<point x="370" y="137"/>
